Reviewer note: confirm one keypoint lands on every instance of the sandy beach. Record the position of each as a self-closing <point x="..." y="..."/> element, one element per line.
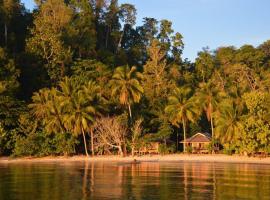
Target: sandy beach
<point x="147" y="158"/>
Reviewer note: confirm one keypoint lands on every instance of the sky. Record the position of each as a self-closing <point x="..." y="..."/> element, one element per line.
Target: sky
<point x="208" y="23"/>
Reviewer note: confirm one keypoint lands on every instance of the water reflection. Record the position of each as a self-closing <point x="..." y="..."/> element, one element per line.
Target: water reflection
<point x="146" y="180"/>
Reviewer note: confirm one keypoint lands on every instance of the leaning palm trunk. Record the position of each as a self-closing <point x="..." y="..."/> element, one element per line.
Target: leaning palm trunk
<point x="84" y="140"/>
<point x="185" y="137"/>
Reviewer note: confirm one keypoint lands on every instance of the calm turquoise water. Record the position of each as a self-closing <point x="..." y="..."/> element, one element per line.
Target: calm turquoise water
<point x="86" y="180"/>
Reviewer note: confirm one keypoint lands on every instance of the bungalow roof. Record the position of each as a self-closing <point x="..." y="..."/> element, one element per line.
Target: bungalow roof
<point x="198" y="138"/>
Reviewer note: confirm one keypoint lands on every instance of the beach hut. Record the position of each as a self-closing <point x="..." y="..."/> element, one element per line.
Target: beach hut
<point x="149" y="148"/>
<point x="198" y="143"/>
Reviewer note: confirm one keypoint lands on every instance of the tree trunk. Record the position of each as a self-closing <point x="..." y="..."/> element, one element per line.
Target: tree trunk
<point x="211" y="121"/>
<point x="129" y="110"/>
<point x="177" y="140"/>
<point x="213" y="136"/>
<point x="6" y="34"/>
<point x="132" y="151"/>
<point x="121" y="38"/>
<point x="212" y="128"/>
<point x="124" y="150"/>
<point x="107" y="37"/>
<point x="184" y="129"/>
<point x="121" y="151"/>
<point x="92" y="142"/>
<point x="62" y="70"/>
<point x="85" y="146"/>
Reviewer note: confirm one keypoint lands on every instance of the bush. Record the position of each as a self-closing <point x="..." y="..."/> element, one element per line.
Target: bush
<point x="213" y="146"/>
<point x="65" y="144"/>
<point x="189" y="149"/>
<point x="229" y="149"/>
<point x="40" y="144"/>
<point x="165" y="149"/>
<point x="7" y="140"/>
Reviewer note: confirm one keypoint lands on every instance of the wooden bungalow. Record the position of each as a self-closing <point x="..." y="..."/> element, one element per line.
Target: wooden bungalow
<point x="198" y="143"/>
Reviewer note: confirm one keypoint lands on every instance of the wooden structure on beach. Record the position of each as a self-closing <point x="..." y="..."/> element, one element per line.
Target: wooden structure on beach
<point x="150" y="148"/>
<point x="198" y="143"/>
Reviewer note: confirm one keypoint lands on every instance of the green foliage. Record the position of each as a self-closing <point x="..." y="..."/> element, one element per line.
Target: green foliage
<point x="47" y="34"/>
<point x="81" y="34"/>
<point x="181" y="108"/>
<point x="165" y="131"/>
<point x="229" y="124"/>
<point x="165" y="149"/>
<point x="256" y="134"/>
<point x="7" y="140"/>
<point x="65" y="55"/>
<point x="8" y="73"/>
<point x="213" y="146"/>
<point x="229" y="149"/>
<point x="126" y="85"/>
<point x="257" y="103"/>
<point x="39" y="144"/>
<point x="204" y="65"/>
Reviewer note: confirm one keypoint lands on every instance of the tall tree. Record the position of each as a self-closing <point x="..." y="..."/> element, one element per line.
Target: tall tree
<point x="208" y="97"/>
<point x="46" y="37"/>
<point x="181" y="109"/>
<point x="148" y="30"/>
<point x="81" y="33"/>
<point x="228" y="123"/>
<point x="112" y="25"/>
<point x="126" y="86"/>
<point x="155" y="77"/>
<point x="47" y="108"/>
<point x="165" y="34"/>
<point x="204" y="65"/>
<point x="128" y="16"/>
<point x="10" y="106"/>
<point x="82" y="106"/>
<point x="10" y="8"/>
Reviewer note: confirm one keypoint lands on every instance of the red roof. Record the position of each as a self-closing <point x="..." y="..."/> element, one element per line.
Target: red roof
<point x="199" y="137"/>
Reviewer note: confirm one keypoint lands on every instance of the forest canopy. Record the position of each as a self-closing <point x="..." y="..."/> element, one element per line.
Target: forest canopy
<point x="82" y="77"/>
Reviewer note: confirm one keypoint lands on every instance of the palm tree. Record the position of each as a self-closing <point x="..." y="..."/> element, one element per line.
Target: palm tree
<point x="40" y="105"/>
<point x="208" y="97"/>
<point x="181" y="109"/>
<point x="47" y="108"/>
<point x="126" y="86"/>
<point x="228" y="122"/>
<point x="80" y="105"/>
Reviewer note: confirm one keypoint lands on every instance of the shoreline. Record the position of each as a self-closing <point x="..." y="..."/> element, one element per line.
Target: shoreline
<point x="218" y="158"/>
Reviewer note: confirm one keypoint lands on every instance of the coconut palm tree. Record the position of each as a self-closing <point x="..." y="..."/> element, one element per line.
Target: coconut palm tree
<point x="228" y="122"/>
<point x="126" y="86"/>
<point x="181" y="108"/>
<point x="81" y="107"/>
<point x="40" y="106"/>
<point x="47" y="108"/>
<point x="208" y="97"/>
